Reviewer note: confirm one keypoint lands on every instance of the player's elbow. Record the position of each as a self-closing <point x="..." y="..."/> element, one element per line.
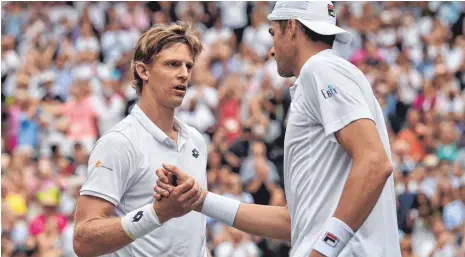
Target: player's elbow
<point x="382" y="166"/>
<point x="79" y="247"/>
<point x="379" y="167"/>
<point x="387" y="169"/>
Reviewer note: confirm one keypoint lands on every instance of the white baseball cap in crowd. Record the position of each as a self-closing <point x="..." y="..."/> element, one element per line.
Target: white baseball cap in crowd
<point x="318" y="16"/>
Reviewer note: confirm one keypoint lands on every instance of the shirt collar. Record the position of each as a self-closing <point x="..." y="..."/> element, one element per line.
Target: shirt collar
<point x="325" y="52"/>
<point x="156" y="132"/>
<point x="293" y="88"/>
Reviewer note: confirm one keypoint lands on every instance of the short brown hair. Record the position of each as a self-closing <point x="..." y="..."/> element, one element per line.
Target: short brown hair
<point x="313" y="36"/>
<point x="159" y="37"/>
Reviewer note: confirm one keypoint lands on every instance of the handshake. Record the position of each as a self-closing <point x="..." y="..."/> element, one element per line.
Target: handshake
<point x="176" y="201"/>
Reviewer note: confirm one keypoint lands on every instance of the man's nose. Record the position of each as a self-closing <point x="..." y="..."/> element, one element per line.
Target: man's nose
<point x="272" y="52"/>
<point x="183" y="73"/>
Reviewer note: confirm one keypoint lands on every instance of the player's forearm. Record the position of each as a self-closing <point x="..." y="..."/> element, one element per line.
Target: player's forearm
<point x="361" y="191"/>
<point x="100" y="236"/>
<point x="276" y="225"/>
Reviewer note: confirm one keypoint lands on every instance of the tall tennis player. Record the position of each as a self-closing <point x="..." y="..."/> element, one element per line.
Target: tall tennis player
<point x="337" y="164"/>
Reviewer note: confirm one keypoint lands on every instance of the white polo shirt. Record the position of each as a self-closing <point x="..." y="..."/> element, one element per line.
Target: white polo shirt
<point x="122" y="169"/>
<point x="329" y="94"/>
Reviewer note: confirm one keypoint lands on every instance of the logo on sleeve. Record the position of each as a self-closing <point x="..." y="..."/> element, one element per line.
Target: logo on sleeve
<point x="331" y="239"/>
<point x="98" y="164"/>
<point x="195" y="153"/>
<point x="330" y="91"/>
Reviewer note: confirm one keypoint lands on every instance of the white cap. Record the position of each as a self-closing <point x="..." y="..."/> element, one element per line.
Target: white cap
<point x="318" y="16"/>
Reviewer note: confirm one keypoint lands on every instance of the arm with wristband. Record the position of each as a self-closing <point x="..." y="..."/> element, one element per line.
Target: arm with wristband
<point x="370" y="170"/>
<point x="97" y="233"/>
<point x="111" y="165"/>
<point x="245" y="217"/>
<point x="348" y="121"/>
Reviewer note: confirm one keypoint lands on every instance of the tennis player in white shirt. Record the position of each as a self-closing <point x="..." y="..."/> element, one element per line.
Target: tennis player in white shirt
<point x="116" y="214"/>
<point x="337" y="165"/>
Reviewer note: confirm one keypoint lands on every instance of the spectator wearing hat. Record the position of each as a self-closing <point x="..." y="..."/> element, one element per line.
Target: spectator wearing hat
<point x="48" y="226"/>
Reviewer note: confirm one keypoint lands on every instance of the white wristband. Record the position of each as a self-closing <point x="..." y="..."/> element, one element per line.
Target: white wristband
<point x="140" y="222"/>
<point x="336" y="234"/>
<point x="221" y="208"/>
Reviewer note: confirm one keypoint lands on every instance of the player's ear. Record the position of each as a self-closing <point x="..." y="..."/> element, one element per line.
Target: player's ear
<point x="142" y="70"/>
<point x="292" y="27"/>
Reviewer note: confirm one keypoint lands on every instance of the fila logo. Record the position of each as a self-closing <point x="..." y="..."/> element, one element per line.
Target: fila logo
<point x="195" y="153"/>
<point x="331" y="10"/>
<point x="327" y="93"/>
<point x="331" y="239"/>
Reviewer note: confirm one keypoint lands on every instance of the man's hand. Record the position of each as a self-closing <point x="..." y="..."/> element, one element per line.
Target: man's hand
<point x="165" y="188"/>
<point x="181" y="199"/>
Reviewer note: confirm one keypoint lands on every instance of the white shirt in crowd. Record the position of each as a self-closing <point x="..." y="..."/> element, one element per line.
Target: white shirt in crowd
<point x="410" y="82"/>
<point x="213" y="34"/>
<point x="202" y="117"/>
<point x="122" y="171"/>
<point x="258" y="39"/>
<point x="329" y="94"/>
<point x="87" y="44"/>
<point x="109" y="113"/>
<point x="234" y="13"/>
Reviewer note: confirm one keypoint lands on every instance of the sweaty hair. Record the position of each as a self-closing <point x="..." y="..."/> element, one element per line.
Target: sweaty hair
<point x="158" y="38"/>
<point x="313" y="36"/>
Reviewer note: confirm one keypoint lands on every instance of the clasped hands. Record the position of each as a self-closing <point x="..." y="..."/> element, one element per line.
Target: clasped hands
<point x="176" y="201"/>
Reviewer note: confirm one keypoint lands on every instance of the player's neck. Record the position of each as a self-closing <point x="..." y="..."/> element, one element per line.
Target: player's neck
<point x="305" y="52"/>
<point x="160" y="115"/>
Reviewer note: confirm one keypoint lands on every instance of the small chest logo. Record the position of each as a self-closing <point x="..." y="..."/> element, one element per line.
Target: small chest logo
<point x="327" y="93"/>
<point x="195" y="153"/>
<point x="98" y="164"/>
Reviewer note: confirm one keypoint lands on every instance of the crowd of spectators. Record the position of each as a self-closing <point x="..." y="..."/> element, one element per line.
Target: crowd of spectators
<point x="66" y="79"/>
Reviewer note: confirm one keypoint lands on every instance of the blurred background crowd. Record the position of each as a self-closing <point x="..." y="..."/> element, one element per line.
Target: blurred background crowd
<point x="66" y="80"/>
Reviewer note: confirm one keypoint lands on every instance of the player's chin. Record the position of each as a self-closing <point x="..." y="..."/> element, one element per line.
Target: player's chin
<point x="285" y="74"/>
<point x="175" y="101"/>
